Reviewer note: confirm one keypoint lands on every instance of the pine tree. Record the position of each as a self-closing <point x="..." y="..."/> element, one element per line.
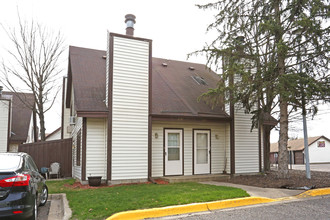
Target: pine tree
<point x="283" y="61"/>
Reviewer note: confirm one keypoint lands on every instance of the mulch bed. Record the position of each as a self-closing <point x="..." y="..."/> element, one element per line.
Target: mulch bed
<point x="296" y="180"/>
<point x="78" y="185"/>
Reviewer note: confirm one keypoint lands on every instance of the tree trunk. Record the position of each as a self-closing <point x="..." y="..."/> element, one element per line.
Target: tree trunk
<point x="283" y="158"/>
<point x="42" y="122"/>
<point x="266" y="136"/>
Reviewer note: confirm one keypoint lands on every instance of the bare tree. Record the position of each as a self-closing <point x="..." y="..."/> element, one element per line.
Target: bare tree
<point x="33" y="63"/>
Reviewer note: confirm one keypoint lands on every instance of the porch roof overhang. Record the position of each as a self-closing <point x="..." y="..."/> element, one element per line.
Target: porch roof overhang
<point x="198" y="117"/>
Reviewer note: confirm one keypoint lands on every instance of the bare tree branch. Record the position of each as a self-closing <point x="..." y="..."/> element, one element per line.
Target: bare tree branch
<point x="33" y="61"/>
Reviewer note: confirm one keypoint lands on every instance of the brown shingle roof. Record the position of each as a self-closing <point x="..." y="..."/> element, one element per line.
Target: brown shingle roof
<point x="88" y="78"/>
<point x="174" y="91"/>
<point x="296" y="145"/>
<point x="21" y="115"/>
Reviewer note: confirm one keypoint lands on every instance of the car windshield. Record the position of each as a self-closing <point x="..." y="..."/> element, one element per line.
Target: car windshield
<point x="9" y="162"/>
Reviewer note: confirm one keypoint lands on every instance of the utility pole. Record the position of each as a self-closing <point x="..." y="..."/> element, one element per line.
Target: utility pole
<point x="303" y="103"/>
<point x="306" y="151"/>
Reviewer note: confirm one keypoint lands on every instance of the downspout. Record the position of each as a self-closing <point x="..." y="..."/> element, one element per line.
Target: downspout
<point x="150" y="179"/>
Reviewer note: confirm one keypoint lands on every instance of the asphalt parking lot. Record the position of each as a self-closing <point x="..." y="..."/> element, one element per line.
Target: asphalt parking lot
<point x="43" y="211"/>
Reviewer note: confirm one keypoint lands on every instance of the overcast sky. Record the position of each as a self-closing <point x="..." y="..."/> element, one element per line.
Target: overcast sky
<point x="177" y="27"/>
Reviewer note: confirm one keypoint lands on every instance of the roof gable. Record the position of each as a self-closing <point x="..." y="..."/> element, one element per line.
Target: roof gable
<point x="21" y="115"/>
<point x="298" y="144"/>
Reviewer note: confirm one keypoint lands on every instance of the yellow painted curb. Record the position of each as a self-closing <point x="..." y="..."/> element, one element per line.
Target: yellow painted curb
<point x="190" y="208"/>
<point x="200" y="207"/>
<point x="314" y="192"/>
<point x="238" y="202"/>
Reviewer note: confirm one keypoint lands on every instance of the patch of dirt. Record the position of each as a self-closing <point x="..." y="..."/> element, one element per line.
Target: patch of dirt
<point x="78" y="185"/>
<point x="297" y="179"/>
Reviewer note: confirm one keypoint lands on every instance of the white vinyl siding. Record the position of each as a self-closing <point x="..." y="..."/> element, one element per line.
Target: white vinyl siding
<point x="4" y="110"/>
<point x="30" y="133"/>
<point x="130" y="111"/>
<point x="319" y="154"/>
<point x="66" y="124"/>
<point x="227" y="149"/>
<point x="76" y="170"/>
<point x="219" y="149"/>
<point x="246" y="144"/>
<point x="96" y="148"/>
<point x="66" y="113"/>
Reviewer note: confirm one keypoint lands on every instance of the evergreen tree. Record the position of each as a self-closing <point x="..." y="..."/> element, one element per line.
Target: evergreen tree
<point x="283" y="61"/>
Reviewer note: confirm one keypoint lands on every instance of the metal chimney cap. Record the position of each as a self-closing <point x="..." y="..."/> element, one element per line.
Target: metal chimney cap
<point x="130" y="17"/>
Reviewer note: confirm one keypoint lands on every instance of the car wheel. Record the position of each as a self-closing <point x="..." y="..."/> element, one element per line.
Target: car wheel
<point x="44" y="196"/>
<point x="35" y="210"/>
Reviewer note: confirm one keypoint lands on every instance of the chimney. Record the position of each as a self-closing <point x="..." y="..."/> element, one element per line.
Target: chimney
<point x="130" y="21"/>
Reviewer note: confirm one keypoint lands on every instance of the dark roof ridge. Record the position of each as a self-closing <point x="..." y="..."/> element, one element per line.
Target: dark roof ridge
<point x="86" y="48"/>
<point x="181" y="61"/>
<point x="192" y="63"/>
<point x="178" y="61"/>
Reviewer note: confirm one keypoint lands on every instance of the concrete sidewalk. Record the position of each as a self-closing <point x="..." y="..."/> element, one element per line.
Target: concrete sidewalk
<point x="272" y="193"/>
<point x="59" y="207"/>
<point x="258" y="196"/>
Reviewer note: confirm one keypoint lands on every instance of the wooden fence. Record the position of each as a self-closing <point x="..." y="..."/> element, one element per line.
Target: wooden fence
<point x="46" y="152"/>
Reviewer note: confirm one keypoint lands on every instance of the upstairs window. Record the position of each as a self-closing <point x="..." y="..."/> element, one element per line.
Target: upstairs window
<point x="321" y="143"/>
<point x="199" y="80"/>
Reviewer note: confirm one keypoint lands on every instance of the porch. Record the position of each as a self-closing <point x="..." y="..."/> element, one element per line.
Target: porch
<point x="196" y="178"/>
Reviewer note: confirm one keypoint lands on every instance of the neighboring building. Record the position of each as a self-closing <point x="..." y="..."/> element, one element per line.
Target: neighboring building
<point x="55" y="135"/>
<point x="318" y="148"/>
<point x="17" y="122"/>
<point x="133" y="117"/>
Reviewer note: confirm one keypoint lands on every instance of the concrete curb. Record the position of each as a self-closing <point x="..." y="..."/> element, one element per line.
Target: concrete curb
<point x="207" y="206"/>
<point x="59" y="207"/>
<point x="189" y="208"/>
<point x="314" y="192"/>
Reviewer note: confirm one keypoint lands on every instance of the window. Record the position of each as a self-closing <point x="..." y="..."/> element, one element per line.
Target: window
<point x="321" y="143"/>
<point x="9" y="162"/>
<point x="199" y="80"/>
<point x="30" y="165"/>
<point x="173" y="146"/>
<point x="33" y="166"/>
<point x="202" y="148"/>
<point x="78" y="146"/>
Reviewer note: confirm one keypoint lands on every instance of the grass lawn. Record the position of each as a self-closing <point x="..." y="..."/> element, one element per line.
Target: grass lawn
<point x="101" y="203"/>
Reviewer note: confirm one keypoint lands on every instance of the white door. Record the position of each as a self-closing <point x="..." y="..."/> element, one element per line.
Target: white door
<point x="173" y="152"/>
<point x="201" y="151"/>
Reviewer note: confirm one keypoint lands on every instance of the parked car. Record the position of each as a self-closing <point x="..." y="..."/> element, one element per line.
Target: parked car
<point x="22" y="187"/>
